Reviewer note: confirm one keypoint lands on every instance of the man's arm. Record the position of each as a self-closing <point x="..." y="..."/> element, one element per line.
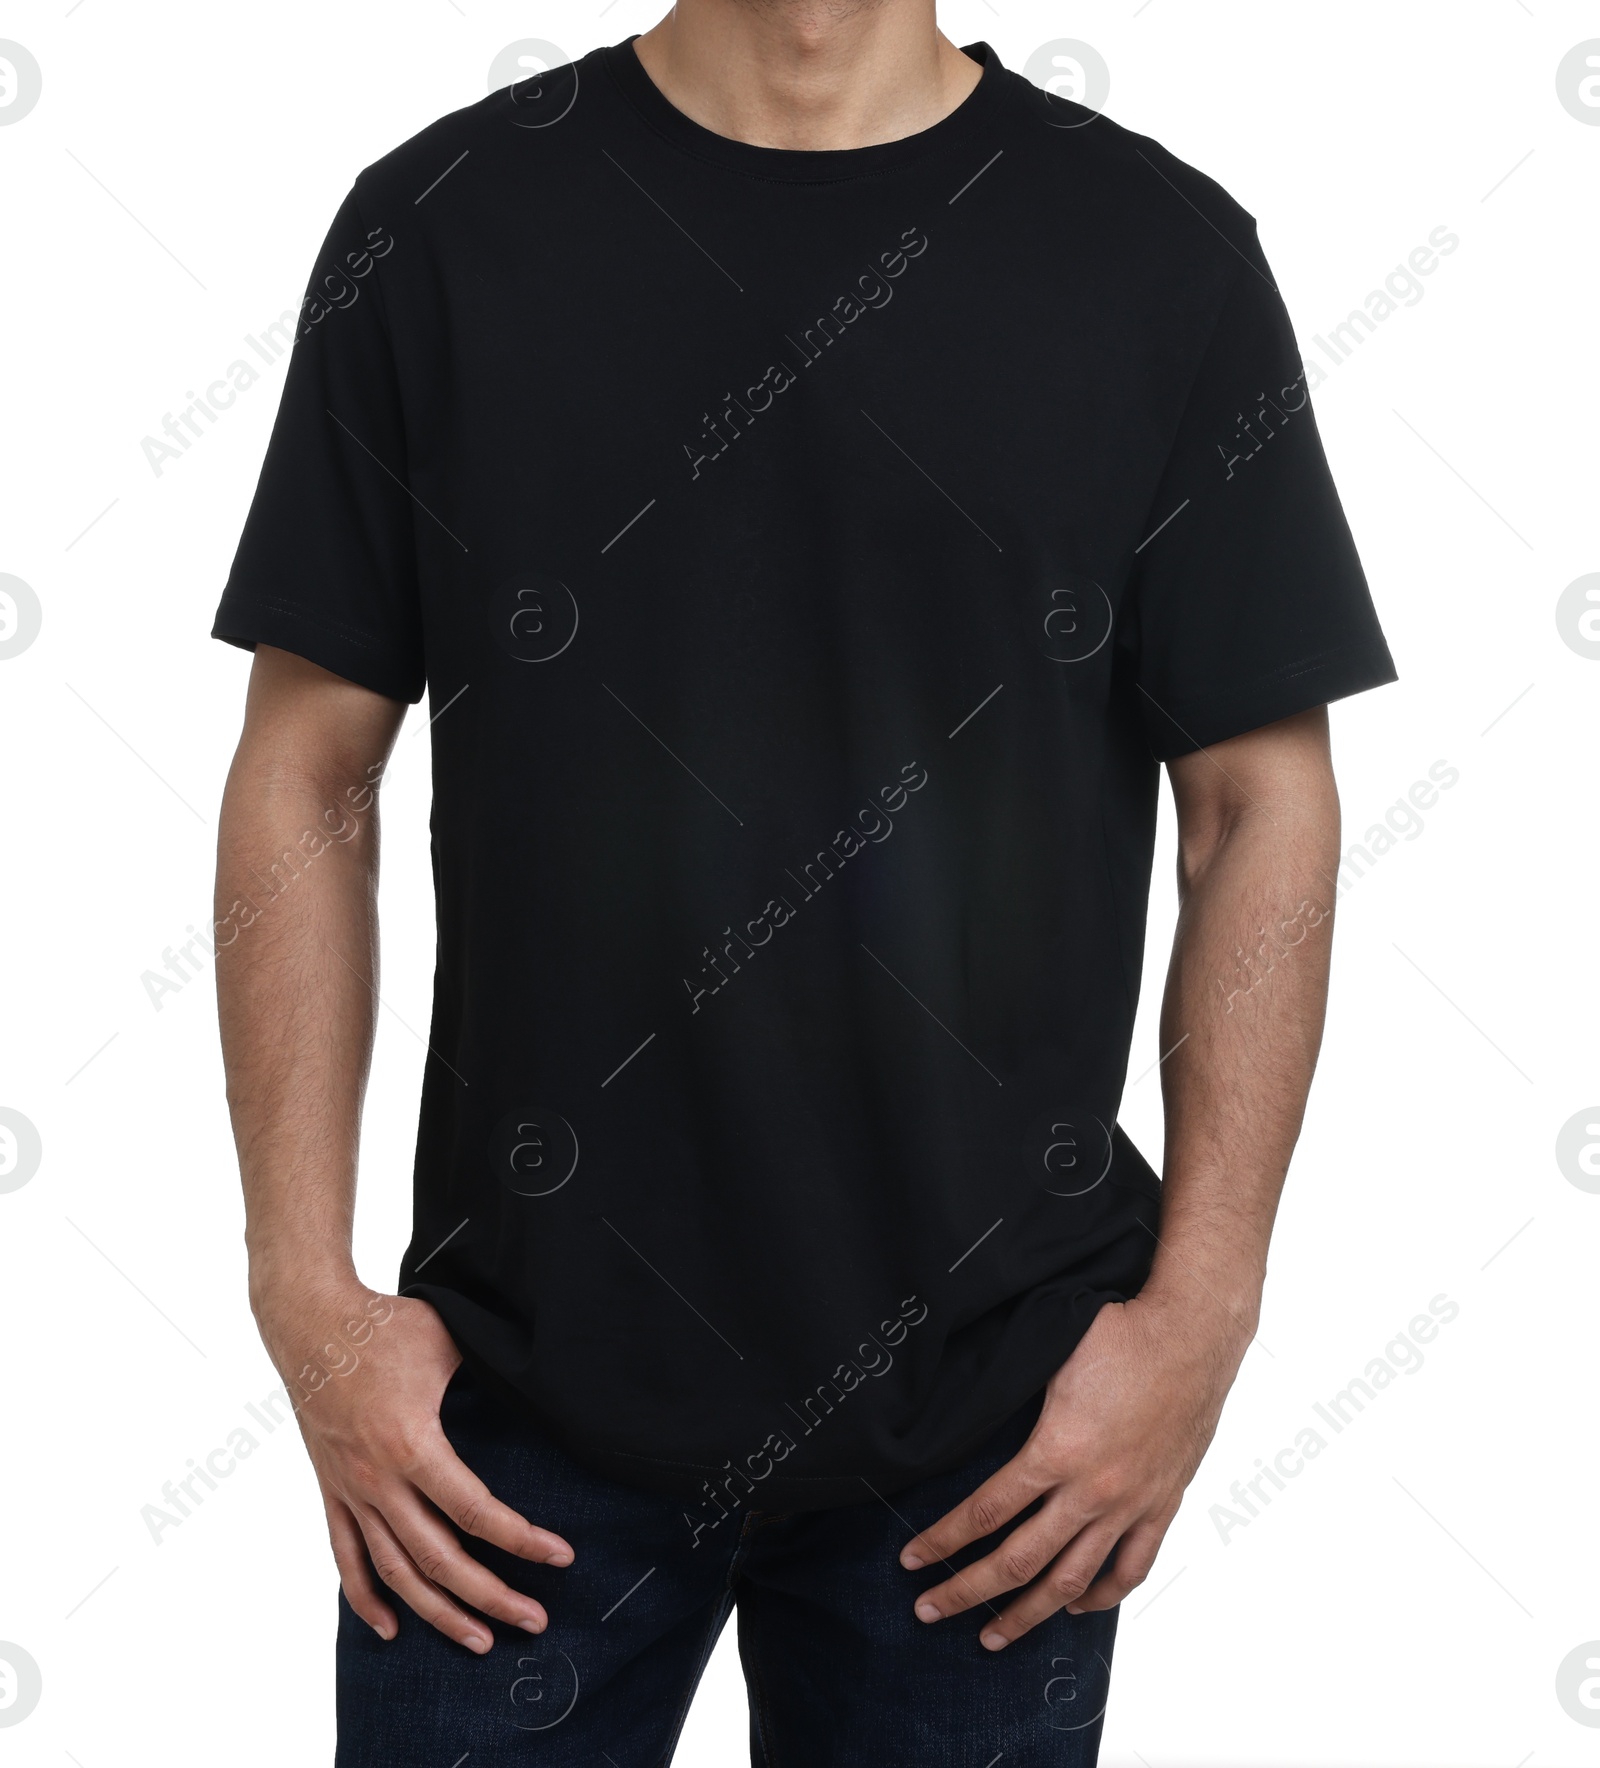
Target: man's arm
<point x="1128" y="1417"/>
<point x="296" y="907"/>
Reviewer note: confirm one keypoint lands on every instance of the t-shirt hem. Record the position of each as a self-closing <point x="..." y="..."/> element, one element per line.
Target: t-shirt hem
<point x="1012" y="1390"/>
<point x="332" y="646"/>
<point x="786" y="1493"/>
<point x="1296" y="687"/>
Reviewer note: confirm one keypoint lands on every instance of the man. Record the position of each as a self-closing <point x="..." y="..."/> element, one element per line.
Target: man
<point x="818" y="479"/>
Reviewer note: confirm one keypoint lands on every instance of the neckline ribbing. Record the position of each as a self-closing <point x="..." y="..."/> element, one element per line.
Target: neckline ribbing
<point x="798" y="165"/>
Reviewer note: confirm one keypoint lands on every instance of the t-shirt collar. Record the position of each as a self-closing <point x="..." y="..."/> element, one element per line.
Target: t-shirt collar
<point x="799" y="165"/>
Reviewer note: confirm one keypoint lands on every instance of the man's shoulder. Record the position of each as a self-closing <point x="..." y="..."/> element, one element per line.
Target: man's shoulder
<point x="1127" y="175"/>
<point x="513" y="119"/>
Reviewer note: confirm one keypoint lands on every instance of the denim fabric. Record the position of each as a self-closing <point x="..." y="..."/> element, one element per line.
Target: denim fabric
<point x="840" y="1672"/>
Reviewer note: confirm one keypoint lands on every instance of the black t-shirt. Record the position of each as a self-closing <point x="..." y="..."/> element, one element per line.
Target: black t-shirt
<point x="809" y="557"/>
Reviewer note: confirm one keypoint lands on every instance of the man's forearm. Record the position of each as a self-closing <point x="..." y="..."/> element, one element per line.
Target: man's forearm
<point x="297" y="874"/>
<point x="1241" y="1025"/>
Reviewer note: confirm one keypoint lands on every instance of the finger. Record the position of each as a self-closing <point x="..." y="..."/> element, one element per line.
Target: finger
<point x="1067" y="1579"/>
<point x="447" y="1480"/>
<point x="394" y="1565"/>
<point x="355" y="1571"/>
<point x="1135" y="1556"/>
<point x="1005" y="1492"/>
<point x="1013" y="1565"/>
<point x="439" y="1556"/>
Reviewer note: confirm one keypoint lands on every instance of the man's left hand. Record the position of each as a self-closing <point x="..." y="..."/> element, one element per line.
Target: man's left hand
<point x="1125" y="1422"/>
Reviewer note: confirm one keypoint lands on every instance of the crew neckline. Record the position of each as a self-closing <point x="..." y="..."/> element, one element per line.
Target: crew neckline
<point x="798" y="165"/>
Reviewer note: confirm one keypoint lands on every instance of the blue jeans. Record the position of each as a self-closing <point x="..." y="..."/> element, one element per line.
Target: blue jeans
<point x="841" y="1673"/>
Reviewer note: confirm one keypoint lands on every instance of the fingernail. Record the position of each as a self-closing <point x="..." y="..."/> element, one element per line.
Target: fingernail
<point x="994" y="1642"/>
<point x="383" y="1633"/>
<point x="479" y="1644"/>
<point x="911" y="1562"/>
<point x="927" y="1612"/>
<point x="560" y="1559"/>
<point x="1073" y="1611"/>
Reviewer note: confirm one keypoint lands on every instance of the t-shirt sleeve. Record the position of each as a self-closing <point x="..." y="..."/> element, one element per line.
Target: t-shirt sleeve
<point x="1249" y="602"/>
<point x="326" y="565"/>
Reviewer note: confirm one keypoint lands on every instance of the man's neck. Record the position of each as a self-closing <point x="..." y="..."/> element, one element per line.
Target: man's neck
<point x="802" y="74"/>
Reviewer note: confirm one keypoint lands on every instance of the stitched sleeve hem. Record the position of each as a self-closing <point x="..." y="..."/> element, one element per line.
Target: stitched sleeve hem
<point x="1317" y="681"/>
<point x="247" y="621"/>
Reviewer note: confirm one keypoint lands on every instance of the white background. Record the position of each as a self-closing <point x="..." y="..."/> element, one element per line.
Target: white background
<point x="1409" y="1597"/>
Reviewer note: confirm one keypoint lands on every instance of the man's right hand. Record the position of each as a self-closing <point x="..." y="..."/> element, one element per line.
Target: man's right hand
<point x="367" y="1373"/>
